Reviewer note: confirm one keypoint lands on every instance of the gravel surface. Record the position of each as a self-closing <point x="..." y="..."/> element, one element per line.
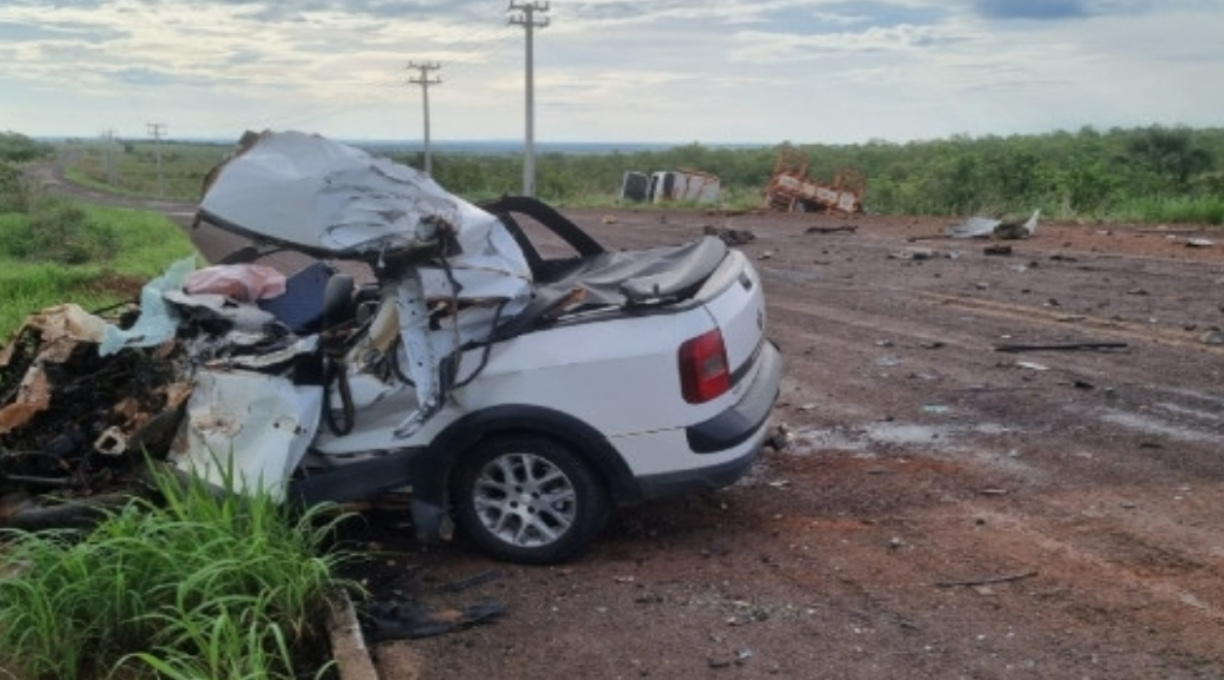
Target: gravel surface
<point x="944" y="510"/>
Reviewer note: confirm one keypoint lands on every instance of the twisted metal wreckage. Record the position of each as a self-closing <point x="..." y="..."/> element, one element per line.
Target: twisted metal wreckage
<point x="226" y="377"/>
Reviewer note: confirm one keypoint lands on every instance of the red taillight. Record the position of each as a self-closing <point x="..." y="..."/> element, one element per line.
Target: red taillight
<point x="704" y="373"/>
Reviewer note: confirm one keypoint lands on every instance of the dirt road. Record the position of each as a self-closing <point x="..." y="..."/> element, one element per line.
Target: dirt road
<point x="944" y="510"/>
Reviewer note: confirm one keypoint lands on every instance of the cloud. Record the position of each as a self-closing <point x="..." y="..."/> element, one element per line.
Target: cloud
<point x="714" y="70"/>
<point x="144" y="76"/>
<point x="14" y="31"/>
<point x="1046" y="10"/>
<point x="764" y="47"/>
<point x="841" y="15"/>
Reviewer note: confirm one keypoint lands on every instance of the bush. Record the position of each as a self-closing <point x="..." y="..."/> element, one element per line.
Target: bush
<point x="64" y="234"/>
<point x="19" y="148"/>
<point x="196" y="586"/>
<point x="13" y="195"/>
<point x="147" y="244"/>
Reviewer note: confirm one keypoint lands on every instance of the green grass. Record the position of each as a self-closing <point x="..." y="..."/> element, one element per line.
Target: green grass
<point x="133" y="167"/>
<point x="142" y="245"/>
<point x="200" y="585"/>
<point x="1205" y="210"/>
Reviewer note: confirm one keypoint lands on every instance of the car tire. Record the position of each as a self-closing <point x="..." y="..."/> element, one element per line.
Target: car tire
<point x="528" y="499"/>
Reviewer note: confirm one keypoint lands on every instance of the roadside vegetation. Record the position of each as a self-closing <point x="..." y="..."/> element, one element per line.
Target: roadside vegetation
<point x="190" y="585"/>
<point x="130" y="168"/>
<point x="54" y="251"/>
<point x="62" y="252"/>
<point x="196" y="586"/>
<point x="1147" y="174"/>
<point x="1157" y="173"/>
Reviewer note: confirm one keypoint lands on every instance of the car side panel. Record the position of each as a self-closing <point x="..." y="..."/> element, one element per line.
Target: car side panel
<point x="620" y="376"/>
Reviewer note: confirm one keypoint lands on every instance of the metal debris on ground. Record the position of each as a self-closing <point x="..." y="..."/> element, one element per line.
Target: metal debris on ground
<point x="1063" y="347"/>
<point x="473" y="581"/>
<point x="384" y="621"/>
<point x="917" y="254"/>
<point x="997" y="250"/>
<point x="732" y="237"/>
<point x="850" y="228"/>
<point x="780" y="438"/>
<point x="987" y="580"/>
<point x="987" y="227"/>
<point x="1213" y="337"/>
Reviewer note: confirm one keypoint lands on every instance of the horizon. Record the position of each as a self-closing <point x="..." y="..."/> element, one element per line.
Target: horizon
<point x="511" y="145"/>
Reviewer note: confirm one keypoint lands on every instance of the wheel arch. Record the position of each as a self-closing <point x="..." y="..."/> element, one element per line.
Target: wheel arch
<point x="432" y="470"/>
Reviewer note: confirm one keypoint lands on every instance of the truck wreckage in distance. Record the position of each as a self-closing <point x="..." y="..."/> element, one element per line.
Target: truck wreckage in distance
<point x="791" y="190"/>
<point x="522" y="397"/>
<point x="670" y="186"/>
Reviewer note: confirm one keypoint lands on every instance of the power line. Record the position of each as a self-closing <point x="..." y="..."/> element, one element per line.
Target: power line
<point x="422" y="78"/>
<point x="525" y="17"/>
<point x="156" y="130"/>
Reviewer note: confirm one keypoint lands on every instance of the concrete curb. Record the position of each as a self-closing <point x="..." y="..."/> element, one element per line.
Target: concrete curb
<point x="349" y="649"/>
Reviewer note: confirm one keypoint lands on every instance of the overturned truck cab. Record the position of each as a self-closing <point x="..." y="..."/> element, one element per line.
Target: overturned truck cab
<point x="426" y="344"/>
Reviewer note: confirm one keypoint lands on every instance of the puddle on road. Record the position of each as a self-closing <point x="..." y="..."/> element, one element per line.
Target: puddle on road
<point x="1151" y="425"/>
<point x="945" y="437"/>
<point x="789" y="275"/>
<point x="991" y="445"/>
<point x="1178" y="409"/>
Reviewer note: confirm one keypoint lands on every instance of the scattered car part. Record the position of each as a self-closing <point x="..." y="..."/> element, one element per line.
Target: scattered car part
<point x="1065" y="347"/>
<point x="985" y="227"/>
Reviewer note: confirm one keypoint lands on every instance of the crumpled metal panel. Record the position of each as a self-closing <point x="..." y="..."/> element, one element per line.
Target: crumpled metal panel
<point x="306" y="191"/>
<point x="247" y="431"/>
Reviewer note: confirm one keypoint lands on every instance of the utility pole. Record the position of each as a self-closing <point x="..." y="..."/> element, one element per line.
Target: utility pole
<point x="108" y="141"/>
<point x="525" y="17"/>
<point x="425" y="81"/>
<point x="156" y="130"/>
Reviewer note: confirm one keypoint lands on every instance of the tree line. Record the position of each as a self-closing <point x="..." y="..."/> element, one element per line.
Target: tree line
<point x="1152" y="172"/>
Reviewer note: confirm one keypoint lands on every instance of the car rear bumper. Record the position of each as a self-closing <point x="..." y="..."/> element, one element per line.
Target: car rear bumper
<point x="747" y="417"/>
<point x="730" y="441"/>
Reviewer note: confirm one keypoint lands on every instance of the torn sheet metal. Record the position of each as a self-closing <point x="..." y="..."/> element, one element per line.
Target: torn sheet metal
<point x="464" y="271"/>
<point x="252" y="426"/>
<point x="240" y="318"/>
<point x="316" y="194"/>
<point x="983" y="227"/>
<point x="975" y="227"/>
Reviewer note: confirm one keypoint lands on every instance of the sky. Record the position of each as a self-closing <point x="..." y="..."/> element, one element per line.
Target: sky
<point x="669" y="71"/>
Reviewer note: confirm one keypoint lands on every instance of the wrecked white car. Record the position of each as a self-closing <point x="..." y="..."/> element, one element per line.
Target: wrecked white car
<point x="428" y="345"/>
